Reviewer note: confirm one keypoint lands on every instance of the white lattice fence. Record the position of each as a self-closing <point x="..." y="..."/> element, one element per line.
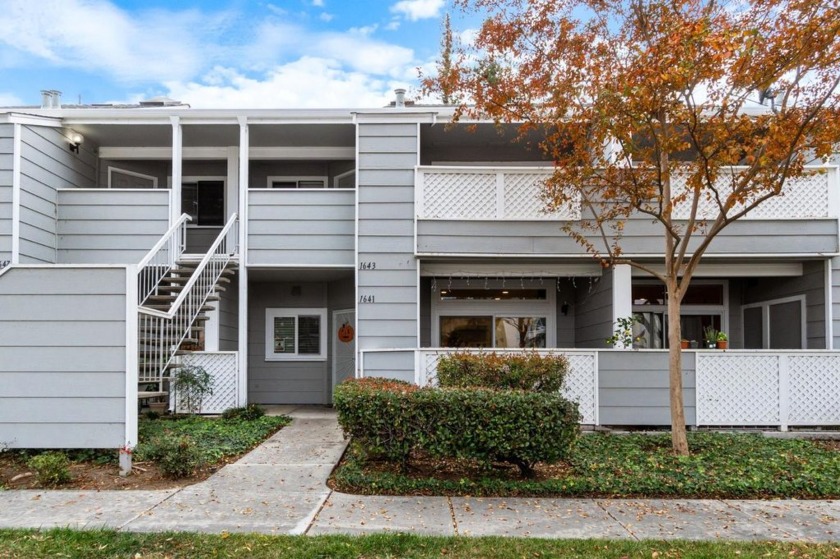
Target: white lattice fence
<point x="768" y="388"/>
<point x="581" y="382"/>
<point x="223" y="366"/>
<point x="486" y="193"/>
<point x="805" y="197"/>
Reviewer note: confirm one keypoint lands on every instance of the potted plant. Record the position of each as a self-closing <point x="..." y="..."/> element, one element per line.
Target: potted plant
<point x="684" y="344"/>
<point x="722" y="340"/>
<point x="710" y="335"/>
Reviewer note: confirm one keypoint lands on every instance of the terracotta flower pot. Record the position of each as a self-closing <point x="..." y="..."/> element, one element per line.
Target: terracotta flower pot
<point x="685" y="344"/>
<point x="723" y="344"/>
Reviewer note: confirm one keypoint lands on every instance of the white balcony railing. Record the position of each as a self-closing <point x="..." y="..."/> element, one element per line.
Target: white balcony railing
<point x="486" y="193"/>
<point x="515" y="193"/>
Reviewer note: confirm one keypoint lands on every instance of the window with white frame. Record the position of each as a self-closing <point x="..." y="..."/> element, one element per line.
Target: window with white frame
<point x="123" y="178"/>
<point x="775" y="324"/>
<point x="494" y="313"/>
<point x="296" y="334"/>
<point x="297" y="182"/>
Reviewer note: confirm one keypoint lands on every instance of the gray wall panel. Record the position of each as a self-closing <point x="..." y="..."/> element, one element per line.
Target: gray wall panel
<point x="593" y="311"/>
<point x="301" y="227"/>
<point x="283" y="382"/>
<point x="386" y="213"/>
<point x="62" y="375"/>
<point x="46" y="164"/>
<point x="110" y="226"/>
<point x="640" y="237"/>
<point x="229" y="316"/>
<point x="633" y="387"/>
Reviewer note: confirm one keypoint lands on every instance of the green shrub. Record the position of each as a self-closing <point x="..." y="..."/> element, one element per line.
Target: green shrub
<point x="528" y="371"/>
<point x="177" y="456"/>
<point x="191" y="384"/>
<point x="250" y="412"/>
<point x="390" y="420"/>
<point x="51" y="468"/>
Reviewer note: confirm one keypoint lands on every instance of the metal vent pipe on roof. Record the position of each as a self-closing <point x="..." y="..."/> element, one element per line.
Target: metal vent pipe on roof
<point x="400" y="103"/>
<point x="46" y="99"/>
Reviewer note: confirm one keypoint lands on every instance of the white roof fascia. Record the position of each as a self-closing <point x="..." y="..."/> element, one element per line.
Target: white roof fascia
<point x="31" y="120"/>
<point x="385" y="116"/>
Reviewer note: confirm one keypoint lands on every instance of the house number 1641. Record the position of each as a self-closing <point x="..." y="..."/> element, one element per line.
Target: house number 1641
<point x="367" y="299"/>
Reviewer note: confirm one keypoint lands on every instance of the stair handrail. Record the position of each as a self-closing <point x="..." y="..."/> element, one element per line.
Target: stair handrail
<point x="159" y="260"/>
<point x="173" y="326"/>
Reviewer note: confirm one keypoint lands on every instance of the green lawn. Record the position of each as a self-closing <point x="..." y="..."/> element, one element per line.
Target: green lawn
<point x="20" y="544"/>
<point x="721" y="466"/>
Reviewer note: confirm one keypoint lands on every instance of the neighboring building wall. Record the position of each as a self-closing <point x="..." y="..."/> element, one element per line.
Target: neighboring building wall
<point x="110" y="226"/>
<point x="307" y="228"/>
<point x="593" y="318"/>
<point x="6" y="159"/>
<point x="63" y="366"/>
<point x="47" y="164"/>
<point x="811" y="284"/>
<point x="634" y="387"/>
<point x="229" y="316"/>
<point x="387" y="294"/>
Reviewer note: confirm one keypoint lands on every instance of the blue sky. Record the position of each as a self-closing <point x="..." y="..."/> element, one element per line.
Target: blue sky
<point x="219" y="53"/>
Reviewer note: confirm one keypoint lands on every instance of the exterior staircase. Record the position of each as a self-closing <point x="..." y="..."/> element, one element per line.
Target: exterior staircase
<point x="175" y="295"/>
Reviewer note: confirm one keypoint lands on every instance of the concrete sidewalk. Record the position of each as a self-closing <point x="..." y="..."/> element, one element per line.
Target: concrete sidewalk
<point x="280" y="488"/>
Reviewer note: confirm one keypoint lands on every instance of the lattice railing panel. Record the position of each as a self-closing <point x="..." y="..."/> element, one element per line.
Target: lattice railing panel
<point x="814" y="389"/>
<point x="523" y="198"/>
<point x="224" y="368"/>
<point x="737" y="389"/>
<point x="456" y="195"/>
<point x="805" y="197"/>
<point x="580" y="383"/>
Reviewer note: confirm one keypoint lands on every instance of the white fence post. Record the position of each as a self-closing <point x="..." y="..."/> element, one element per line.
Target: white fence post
<point x="784" y="392"/>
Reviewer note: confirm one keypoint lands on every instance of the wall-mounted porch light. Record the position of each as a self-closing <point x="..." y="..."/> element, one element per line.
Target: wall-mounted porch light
<point x="76" y="140"/>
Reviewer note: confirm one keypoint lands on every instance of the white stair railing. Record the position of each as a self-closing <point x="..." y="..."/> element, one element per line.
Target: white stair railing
<point x="161" y="333"/>
<point x="160" y="259"/>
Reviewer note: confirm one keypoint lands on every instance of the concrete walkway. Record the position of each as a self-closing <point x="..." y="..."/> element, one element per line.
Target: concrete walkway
<point x="280" y="488"/>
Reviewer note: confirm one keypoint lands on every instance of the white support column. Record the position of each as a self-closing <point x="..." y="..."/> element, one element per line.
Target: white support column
<point x="232" y="182"/>
<point x="243" y="159"/>
<point x="16" y="157"/>
<point x="131" y="370"/>
<point x="177" y="166"/>
<point x="622" y="294"/>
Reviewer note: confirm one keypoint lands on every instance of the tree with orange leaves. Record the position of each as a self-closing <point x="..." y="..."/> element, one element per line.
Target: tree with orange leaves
<point x="648" y="109"/>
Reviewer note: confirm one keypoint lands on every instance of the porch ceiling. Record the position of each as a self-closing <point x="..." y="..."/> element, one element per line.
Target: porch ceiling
<point x="299" y="274"/>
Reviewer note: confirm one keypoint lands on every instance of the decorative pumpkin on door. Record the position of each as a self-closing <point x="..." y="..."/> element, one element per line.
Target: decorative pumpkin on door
<point x="345" y="333"/>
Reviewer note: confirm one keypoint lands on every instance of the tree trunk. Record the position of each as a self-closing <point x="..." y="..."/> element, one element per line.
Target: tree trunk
<point x="679" y="440"/>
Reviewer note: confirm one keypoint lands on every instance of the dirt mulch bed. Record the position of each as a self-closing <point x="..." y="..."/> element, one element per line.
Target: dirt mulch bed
<point x="14" y="474"/>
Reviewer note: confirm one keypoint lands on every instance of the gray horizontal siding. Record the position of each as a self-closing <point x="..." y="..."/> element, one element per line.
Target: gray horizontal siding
<point x="301" y="227"/>
<point x="229" y="316"/>
<point x="110" y="226"/>
<point x="593" y="312"/>
<point x="62" y="375"/>
<point x="633" y="388"/>
<point x="46" y="165"/>
<point x="639" y="237"/>
<point x="387" y="156"/>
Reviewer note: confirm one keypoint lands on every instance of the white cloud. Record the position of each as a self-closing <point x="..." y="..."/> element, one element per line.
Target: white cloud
<point x="418" y="9"/>
<point x="9" y="100"/>
<point x="96" y="36"/>
<point x="305" y="83"/>
<point x="318" y="3"/>
<point x="326" y="17"/>
<point x="392" y="25"/>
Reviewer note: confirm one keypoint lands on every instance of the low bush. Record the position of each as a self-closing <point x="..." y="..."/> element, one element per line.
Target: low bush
<point x="250" y="412"/>
<point x="51" y="468"/>
<point x="390" y="420"/>
<point x="177" y="457"/>
<point x="528" y="371"/>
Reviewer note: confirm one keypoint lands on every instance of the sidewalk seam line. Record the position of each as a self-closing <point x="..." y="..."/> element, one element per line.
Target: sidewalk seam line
<point x="317" y="514"/>
<point x="452" y="514"/>
<point x="617" y="521"/>
<point x="153" y="507"/>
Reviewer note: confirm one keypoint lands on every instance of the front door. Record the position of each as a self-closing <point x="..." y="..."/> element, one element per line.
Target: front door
<point x="344" y="345"/>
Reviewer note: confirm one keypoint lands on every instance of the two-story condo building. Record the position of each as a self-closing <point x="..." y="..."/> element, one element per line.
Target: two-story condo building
<point x="287" y="250"/>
